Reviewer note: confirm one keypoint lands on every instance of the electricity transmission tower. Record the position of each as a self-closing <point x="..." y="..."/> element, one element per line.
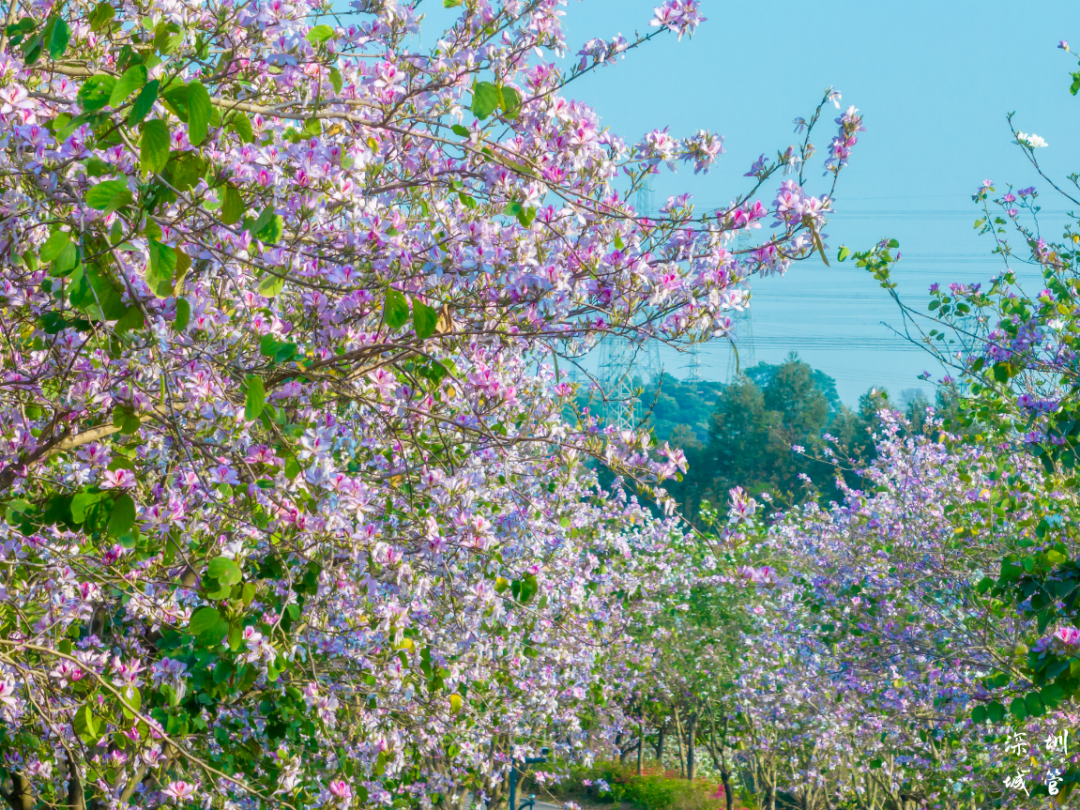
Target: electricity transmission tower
<point x="645" y="198"/>
<point x="694" y="367"/>
<point x="622" y="362"/>
<point x="743" y="329"/>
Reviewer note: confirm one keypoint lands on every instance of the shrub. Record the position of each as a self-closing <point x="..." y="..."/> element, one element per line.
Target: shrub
<point x="615" y="782"/>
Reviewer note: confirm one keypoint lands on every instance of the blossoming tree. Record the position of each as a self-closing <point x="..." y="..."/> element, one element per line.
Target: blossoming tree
<point x="873" y="669"/>
<point x="292" y="513"/>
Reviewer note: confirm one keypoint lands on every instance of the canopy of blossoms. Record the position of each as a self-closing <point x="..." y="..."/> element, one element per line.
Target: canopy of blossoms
<point x="296" y="507"/>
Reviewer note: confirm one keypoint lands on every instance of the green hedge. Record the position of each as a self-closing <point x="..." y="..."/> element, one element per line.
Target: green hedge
<point x="649" y="791"/>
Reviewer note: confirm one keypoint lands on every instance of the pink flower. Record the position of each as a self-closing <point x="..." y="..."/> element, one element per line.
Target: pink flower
<point x="118" y="479"/>
<point x="180" y="791"/>
<point x="340" y="789"/>
<point x="1069" y="636"/>
<point x="680" y="16"/>
<point x="7" y="693"/>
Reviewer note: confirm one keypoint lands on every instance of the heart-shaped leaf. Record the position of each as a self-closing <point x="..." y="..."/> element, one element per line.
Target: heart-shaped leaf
<point x="199" y="112"/>
<point x="485" y="99"/>
<point x="254" y="399"/>
<point x="133" y="79"/>
<point x="225" y="570"/>
<point x="154" y="149"/>
<point x="95" y="92"/>
<point x="109" y="196"/>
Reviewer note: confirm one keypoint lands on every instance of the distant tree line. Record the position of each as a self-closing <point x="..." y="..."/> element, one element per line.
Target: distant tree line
<point x="743" y="433"/>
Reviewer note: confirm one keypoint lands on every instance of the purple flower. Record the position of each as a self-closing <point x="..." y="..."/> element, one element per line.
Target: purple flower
<point x="759" y="164"/>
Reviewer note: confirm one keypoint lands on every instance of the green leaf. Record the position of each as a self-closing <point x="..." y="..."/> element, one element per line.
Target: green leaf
<point x="130" y="320"/>
<point x="96" y="167"/>
<point x="510" y="101"/>
<point x="134" y="79"/>
<point x="84" y="725"/>
<point x="395" y="310"/>
<point x="485" y="99"/>
<point x="92" y="292"/>
<point x="199" y="111"/>
<point x="167" y="37"/>
<point x="458" y="129"/>
<point x="271" y="285"/>
<point x="452" y="3"/>
<point x="206" y="621"/>
<point x="109" y="196"/>
<point x="95" y="91"/>
<point x="529" y="587"/>
<point x="425" y="319"/>
<point x="319" y="34"/>
<point x="183" y="315"/>
<point x="82" y="503"/>
<point x="241" y="125"/>
<point x="272" y="232"/>
<point x="1034" y="704"/>
<point x="159" y="276"/>
<point x="59" y="39"/>
<point x="232" y="206"/>
<point x="1018" y="710"/>
<point x="996" y="712"/>
<point x="143" y="103"/>
<point x="123" y="515"/>
<point x="255" y="399"/>
<point x="134" y="700"/>
<point x="59" y="250"/>
<point x="154" y="149"/>
<point x="225" y="570"/>
<point x="456" y="703"/>
<point x="263" y="219"/>
<point x="276" y="350"/>
<point x="335" y="80"/>
<point x="214" y="589"/>
<point x="126" y="420"/>
<point x="844" y="253"/>
<point x="102" y="15"/>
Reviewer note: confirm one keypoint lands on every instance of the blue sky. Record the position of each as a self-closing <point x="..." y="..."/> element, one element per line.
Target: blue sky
<point x="934" y="81"/>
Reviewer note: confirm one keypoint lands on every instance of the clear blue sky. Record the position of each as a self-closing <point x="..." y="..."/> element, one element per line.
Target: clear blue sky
<point x="934" y="81"/>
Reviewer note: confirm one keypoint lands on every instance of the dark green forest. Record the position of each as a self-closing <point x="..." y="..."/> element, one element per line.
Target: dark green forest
<point x="743" y="433"/>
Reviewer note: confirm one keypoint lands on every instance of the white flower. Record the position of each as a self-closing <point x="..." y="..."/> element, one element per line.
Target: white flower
<point x="1033" y="141"/>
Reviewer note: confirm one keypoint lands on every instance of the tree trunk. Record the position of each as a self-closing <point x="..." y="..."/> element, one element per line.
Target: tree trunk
<point x="682" y="749"/>
<point x="20" y="797"/>
<point x="641" y="736"/>
<point x="660" y="744"/>
<point x="691" y="734"/>
<point x="725" y="774"/>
